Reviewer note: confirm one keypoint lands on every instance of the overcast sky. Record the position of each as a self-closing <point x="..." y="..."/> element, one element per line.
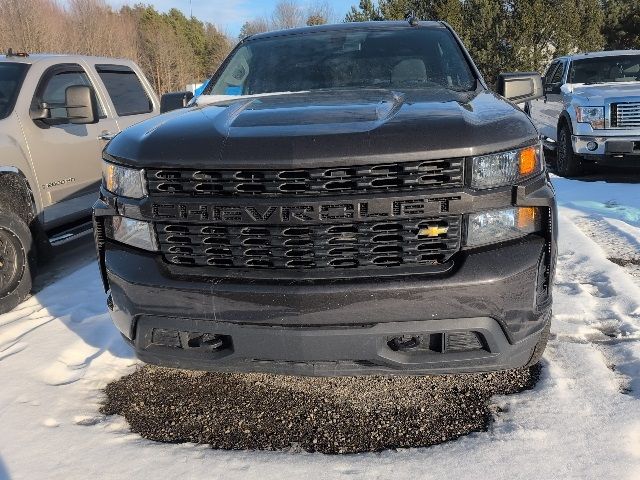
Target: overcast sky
<point x="230" y="14"/>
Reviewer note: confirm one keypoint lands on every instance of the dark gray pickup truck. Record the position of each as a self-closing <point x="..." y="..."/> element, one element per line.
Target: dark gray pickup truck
<point x="341" y="200"/>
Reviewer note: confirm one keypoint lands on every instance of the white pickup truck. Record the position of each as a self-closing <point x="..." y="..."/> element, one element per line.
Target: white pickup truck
<point x="50" y="150"/>
<point x="591" y="110"/>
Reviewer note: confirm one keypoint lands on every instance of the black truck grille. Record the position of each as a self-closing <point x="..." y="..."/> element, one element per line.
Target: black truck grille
<point x="373" y="244"/>
<point x="312" y="181"/>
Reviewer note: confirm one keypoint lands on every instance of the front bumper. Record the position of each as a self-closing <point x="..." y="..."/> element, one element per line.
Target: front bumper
<point x="608" y="149"/>
<point x="187" y="317"/>
<point x="332" y="328"/>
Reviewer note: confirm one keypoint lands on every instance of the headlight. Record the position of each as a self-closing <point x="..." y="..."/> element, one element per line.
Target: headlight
<point x="591" y="115"/>
<point x="505" y="168"/>
<point x="133" y="232"/>
<point x="122" y="181"/>
<point x="499" y="225"/>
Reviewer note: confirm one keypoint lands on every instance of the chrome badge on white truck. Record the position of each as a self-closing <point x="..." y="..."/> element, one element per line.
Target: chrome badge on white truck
<point x="591" y="110"/>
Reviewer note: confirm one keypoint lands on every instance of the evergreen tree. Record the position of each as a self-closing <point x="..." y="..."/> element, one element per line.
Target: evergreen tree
<point x="541" y="29"/>
<point x="621" y="27"/>
<point x="366" y="11"/>
<point x="449" y="11"/>
<point x="485" y="36"/>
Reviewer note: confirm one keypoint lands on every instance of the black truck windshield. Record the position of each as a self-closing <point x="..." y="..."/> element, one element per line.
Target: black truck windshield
<point x="11" y="77"/>
<point x="619" y="68"/>
<point x="392" y="58"/>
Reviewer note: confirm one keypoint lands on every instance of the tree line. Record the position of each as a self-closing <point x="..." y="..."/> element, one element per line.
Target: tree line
<point x="520" y="35"/>
<point x="290" y="14"/>
<point x="173" y="50"/>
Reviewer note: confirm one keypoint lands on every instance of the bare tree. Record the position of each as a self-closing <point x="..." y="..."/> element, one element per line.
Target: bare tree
<point x="31" y="25"/>
<point x="319" y="13"/>
<point x="257" y="25"/>
<point x="95" y="29"/>
<point x="172" y="50"/>
<point x="287" y="14"/>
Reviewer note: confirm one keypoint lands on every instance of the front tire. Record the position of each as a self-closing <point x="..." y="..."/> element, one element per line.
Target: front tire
<point x="568" y="163"/>
<point x="17" y="261"/>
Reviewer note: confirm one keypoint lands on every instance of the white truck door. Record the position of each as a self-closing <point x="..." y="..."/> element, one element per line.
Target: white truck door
<point x="66" y="156"/>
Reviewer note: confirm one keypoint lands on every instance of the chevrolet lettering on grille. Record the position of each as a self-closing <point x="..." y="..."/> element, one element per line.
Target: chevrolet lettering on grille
<point x="307" y="212"/>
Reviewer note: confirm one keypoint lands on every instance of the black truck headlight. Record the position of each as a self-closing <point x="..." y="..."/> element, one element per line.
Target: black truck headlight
<point x="133" y="232"/>
<point x="123" y="181"/>
<point x="495" y="226"/>
<point x="505" y="168"/>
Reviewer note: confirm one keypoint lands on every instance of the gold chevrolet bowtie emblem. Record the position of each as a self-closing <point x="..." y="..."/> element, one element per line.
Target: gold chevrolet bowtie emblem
<point x="433" y="231"/>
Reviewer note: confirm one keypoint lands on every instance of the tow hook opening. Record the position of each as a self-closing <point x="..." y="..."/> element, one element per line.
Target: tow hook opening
<point x="209" y="341"/>
<point x="404" y="343"/>
<point x="186" y="340"/>
<point x="448" y="342"/>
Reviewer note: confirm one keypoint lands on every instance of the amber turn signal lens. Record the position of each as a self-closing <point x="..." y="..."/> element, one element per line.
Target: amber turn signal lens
<point x="528" y="160"/>
<point x="527" y="217"/>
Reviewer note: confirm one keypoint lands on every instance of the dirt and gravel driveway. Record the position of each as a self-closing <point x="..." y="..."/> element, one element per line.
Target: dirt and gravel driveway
<point x="330" y="415"/>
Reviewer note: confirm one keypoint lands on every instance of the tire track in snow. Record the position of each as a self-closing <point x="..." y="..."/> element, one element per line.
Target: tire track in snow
<point x="619" y="240"/>
<point x="600" y="299"/>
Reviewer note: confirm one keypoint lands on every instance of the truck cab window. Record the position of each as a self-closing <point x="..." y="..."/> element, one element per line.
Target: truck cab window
<point x="127" y="93"/>
<point x="557" y="75"/>
<point x="11" y="77"/>
<point x="549" y="73"/>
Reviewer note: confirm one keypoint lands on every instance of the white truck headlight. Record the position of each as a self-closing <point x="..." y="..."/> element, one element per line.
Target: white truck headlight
<point x="133" y="232"/>
<point x="495" y="226"/>
<point x="505" y="168"/>
<point x="591" y="115"/>
<point x="123" y="181"/>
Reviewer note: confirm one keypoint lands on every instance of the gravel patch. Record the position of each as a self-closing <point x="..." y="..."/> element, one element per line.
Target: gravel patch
<point x="314" y="414"/>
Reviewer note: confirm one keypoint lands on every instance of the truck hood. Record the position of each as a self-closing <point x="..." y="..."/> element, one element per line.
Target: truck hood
<point x="601" y="93"/>
<point x="322" y="128"/>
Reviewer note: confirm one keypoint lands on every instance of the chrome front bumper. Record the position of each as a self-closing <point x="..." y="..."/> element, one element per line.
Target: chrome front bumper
<point x="606" y="146"/>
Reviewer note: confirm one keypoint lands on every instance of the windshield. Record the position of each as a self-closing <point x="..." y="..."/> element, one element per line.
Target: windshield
<point x="397" y="58"/>
<point x="622" y="68"/>
<point x="11" y="76"/>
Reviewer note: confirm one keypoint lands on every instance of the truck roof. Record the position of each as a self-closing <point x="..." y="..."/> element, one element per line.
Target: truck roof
<point x="372" y="25"/>
<point x="39" y="57"/>
<point x="608" y="53"/>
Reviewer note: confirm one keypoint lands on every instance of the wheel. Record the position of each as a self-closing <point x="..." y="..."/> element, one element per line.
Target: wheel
<point x="568" y="163"/>
<point x="17" y="261"/>
<point x="538" y="350"/>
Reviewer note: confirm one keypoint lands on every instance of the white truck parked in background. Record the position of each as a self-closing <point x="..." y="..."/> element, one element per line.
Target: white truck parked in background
<point x="591" y="110"/>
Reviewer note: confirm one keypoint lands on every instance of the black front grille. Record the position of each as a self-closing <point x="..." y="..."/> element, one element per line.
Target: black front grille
<point x="339" y="246"/>
<point x="405" y="176"/>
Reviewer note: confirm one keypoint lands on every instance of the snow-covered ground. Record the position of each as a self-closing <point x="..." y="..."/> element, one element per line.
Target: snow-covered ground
<point x="582" y="420"/>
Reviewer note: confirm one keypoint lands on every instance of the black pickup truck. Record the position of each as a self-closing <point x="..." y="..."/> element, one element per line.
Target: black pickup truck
<point x="341" y="200"/>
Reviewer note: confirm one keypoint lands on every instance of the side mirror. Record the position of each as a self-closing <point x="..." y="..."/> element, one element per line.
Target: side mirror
<point x="520" y="87"/>
<point x="552" y="88"/>
<point x="81" y="104"/>
<point x="174" y="100"/>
